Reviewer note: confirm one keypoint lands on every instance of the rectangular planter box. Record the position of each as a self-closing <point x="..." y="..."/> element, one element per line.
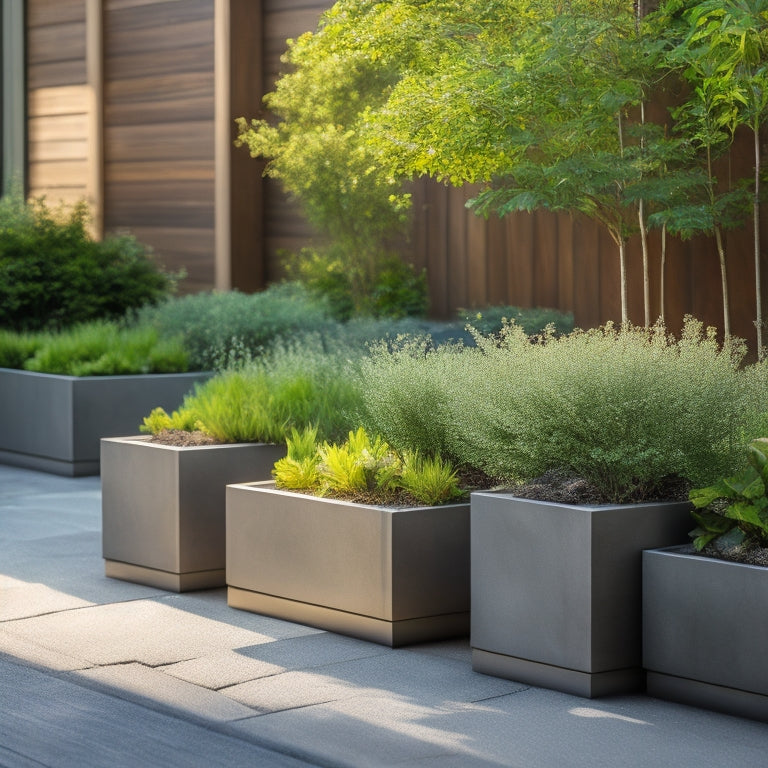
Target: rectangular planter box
<point x="556" y="589"/>
<point x="163" y="508"/>
<point x="392" y="576"/>
<point x="705" y="624"/>
<point x="54" y="423"/>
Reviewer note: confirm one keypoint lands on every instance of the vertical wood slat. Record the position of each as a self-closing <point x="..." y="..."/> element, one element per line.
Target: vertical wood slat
<point x="94" y="66"/>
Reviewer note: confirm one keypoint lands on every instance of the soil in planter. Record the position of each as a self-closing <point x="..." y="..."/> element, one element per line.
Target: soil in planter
<point x="181" y="439"/>
<point x="561" y="488"/>
<point x="748" y="554"/>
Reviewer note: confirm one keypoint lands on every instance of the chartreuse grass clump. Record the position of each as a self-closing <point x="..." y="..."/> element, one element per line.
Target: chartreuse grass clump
<point x="291" y="387"/>
<point x="364" y="469"/>
<point x="98" y="348"/>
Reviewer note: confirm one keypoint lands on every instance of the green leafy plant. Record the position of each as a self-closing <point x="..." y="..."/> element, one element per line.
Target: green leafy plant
<point x="221" y="328"/>
<point x="98" y="348"/>
<point x="184" y="419"/>
<point x="632" y="412"/>
<point x="292" y="387"/>
<point x="53" y="274"/>
<point x="298" y="469"/>
<point x="735" y="508"/>
<point x="366" y="469"/>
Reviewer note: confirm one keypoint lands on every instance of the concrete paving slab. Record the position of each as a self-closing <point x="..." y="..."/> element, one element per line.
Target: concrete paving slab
<point x="271" y="658"/>
<point x="21" y="600"/>
<point x="144" y="685"/>
<point x="393" y="673"/>
<point x="154" y="632"/>
<point x="36" y="655"/>
<point x="51" y="721"/>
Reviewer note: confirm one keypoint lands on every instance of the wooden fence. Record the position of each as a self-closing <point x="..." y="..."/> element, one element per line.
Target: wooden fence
<point x="157" y="84"/>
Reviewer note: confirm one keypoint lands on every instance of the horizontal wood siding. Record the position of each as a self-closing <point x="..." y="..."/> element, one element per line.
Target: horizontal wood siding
<point x="57" y="99"/>
<point x="159" y="130"/>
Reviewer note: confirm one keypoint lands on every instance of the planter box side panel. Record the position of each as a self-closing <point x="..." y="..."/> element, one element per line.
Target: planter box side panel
<point x="618" y="537"/>
<point x="705" y="620"/>
<point x="430" y="548"/>
<point x="530" y="570"/>
<point x="204" y="474"/>
<point x="140" y="505"/>
<point x="116" y="405"/>
<point x="36" y="416"/>
<point x="309" y="550"/>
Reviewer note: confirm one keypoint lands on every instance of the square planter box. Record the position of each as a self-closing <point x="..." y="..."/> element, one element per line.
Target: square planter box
<point x="556" y="589"/>
<point x="53" y="423"/>
<point x="392" y="576"/>
<point x="705" y="624"/>
<point x="163" y="508"/>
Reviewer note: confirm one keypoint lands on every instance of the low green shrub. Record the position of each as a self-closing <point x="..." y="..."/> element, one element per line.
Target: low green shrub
<point x="291" y="387"/>
<point x="16" y="348"/>
<point x="53" y="274"/>
<point x="106" y="349"/>
<point x="98" y="348"/>
<point x="364" y="469"/>
<point x="625" y="410"/>
<point x="396" y="289"/>
<point x="221" y="328"/>
<point x="735" y="509"/>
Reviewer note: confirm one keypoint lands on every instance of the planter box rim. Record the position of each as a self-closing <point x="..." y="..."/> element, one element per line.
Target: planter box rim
<point x="146" y="440"/>
<point x="268" y="486"/>
<point x="102" y="378"/>
<point x="511" y="496"/>
<point x="677" y="552"/>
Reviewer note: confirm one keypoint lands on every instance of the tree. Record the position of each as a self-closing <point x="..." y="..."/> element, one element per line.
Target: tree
<point x="532" y="100"/>
<point x="315" y="147"/>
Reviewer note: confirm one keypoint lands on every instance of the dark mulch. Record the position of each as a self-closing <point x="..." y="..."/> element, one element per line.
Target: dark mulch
<point x="180" y="438"/>
<point x="565" y="489"/>
<point x="749" y="554"/>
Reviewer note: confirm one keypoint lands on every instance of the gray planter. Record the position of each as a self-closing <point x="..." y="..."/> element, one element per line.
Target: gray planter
<point x="705" y="624"/>
<point x="163" y="508"/>
<point x="54" y="423"/>
<point x="556" y="589"/>
<point x="392" y="576"/>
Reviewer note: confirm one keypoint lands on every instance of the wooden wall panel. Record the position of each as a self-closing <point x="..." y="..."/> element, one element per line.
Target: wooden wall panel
<point x="159" y="130"/>
<point x="57" y="101"/>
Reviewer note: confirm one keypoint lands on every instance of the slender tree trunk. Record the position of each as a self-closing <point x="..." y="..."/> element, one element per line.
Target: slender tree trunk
<point x="646" y="275"/>
<point x="662" y="286"/>
<point x="623" y="279"/>
<point x="756" y="225"/>
<point x="724" y="281"/>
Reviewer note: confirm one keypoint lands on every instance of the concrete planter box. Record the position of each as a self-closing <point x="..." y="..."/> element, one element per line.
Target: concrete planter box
<point x="163" y="508"/>
<point x="705" y="624"/>
<point x="556" y="589"/>
<point x="392" y="576"/>
<point x="54" y="423"/>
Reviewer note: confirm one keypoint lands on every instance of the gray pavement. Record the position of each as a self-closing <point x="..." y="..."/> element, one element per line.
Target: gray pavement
<point x="99" y="672"/>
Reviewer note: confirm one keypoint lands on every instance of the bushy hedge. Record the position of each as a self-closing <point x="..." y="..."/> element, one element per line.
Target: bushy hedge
<point x="53" y="274"/>
<point x="624" y="410"/>
<point x="99" y="348"/>
<point x="219" y="328"/>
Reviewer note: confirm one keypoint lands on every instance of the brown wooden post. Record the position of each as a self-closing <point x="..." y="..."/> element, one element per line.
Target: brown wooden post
<point x="239" y="225"/>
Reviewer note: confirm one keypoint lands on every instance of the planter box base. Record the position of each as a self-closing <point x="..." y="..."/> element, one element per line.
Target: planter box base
<point x="173" y="582"/>
<point x="720" y="698"/>
<point x="585" y="684"/>
<point x="51" y="466"/>
<point x="391" y="633"/>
